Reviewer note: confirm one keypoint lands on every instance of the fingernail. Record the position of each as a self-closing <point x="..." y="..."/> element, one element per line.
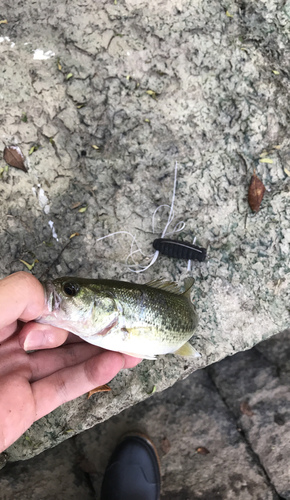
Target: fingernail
<point x="34" y="340"/>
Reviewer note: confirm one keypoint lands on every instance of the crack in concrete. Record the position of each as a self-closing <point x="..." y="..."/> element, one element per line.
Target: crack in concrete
<point x="255" y="457"/>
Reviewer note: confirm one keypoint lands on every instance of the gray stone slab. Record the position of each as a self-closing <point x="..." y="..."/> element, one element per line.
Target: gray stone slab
<point x="221" y="101"/>
<point x="183" y="418"/>
<point x="52" y="475"/>
<point x="255" y="379"/>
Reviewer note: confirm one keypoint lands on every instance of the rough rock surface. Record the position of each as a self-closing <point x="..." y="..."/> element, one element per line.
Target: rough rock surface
<point x="110" y="95"/>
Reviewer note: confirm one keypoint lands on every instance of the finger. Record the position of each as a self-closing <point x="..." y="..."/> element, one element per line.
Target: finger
<point x="8" y="330"/>
<point x="70" y="383"/>
<point x="72" y="338"/>
<point x="21" y="297"/>
<point x="37" y="336"/>
<point x="44" y="363"/>
<point x="17" y="409"/>
<point x="13" y="360"/>
<point x="131" y="361"/>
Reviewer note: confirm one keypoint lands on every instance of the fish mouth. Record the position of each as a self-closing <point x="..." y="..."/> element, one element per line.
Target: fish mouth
<point x="52" y="299"/>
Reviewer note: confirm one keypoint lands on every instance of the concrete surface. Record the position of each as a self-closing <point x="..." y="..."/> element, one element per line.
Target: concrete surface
<point x="106" y="96"/>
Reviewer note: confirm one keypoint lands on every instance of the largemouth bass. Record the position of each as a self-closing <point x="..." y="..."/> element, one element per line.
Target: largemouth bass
<point x="139" y="320"/>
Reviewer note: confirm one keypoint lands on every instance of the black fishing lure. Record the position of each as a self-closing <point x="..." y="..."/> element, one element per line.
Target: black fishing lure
<point x="179" y="249"/>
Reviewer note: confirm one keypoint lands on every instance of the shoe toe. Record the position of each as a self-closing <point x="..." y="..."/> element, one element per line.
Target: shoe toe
<point x="133" y="472"/>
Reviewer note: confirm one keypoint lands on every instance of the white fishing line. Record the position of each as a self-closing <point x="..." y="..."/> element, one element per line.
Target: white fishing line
<point x="154" y="256"/>
<point x="189" y="262"/>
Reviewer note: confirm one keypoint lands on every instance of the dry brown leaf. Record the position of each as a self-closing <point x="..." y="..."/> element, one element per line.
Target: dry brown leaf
<point x="165" y="445"/>
<point x="74" y="234"/>
<point x="246" y="409"/>
<point x="101" y="388"/>
<point x="14" y="157"/>
<point x="255" y="193"/>
<point x="75" y="205"/>
<point x="202" y="450"/>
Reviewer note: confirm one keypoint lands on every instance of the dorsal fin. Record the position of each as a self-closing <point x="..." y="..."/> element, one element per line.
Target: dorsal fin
<point x="188" y="284"/>
<point x="168" y="286"/>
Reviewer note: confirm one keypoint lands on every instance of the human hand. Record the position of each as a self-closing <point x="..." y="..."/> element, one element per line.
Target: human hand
<point x="32" y="385"/>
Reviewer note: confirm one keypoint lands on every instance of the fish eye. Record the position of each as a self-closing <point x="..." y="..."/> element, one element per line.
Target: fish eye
<point x="71" y="289"/>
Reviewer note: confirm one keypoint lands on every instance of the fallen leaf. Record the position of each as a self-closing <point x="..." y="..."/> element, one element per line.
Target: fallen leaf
<point x="287" y="172"/>
<point x="165" y="445"/>
<point x="255" y="193"/>
<point x="228" y="14"/>
<point x="246" y="409"/>
<point x="153" y="390"/>
<point x="278" y="146"/>
<point x="83" y="209"/>
<point x="70" y="75"/>
<point x="1" y="171"/>
<point x="14" y="157"/>
<point x="32" y="149"/>
<point x="202" y="450"/>
<point x="275" y="72"/>
<point x="101" y="388"/>
<point x="58" y="65"/>
<point x="24" y="117"/>
<point x="152" y="94"/>
<point x="76" y="205"/>
<point x="29" y="266"/>
<point x="147" y="120"/>
<point x="74" y="234"/>
<point x="266" y="160"/>
<point x="3" y="21"/>
<point x="95" y="147"/>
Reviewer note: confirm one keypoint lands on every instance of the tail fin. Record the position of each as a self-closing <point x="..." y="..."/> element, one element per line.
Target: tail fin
<point x="187" y="350"/>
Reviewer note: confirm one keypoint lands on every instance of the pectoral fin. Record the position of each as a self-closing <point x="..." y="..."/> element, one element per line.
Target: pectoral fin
<point x="186" y="350"/>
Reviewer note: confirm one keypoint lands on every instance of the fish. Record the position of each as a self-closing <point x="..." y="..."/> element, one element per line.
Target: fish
<point x="141" y="320"/>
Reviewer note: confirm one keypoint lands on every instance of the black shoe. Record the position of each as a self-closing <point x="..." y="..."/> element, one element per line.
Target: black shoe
<point x="133" y="472"/>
